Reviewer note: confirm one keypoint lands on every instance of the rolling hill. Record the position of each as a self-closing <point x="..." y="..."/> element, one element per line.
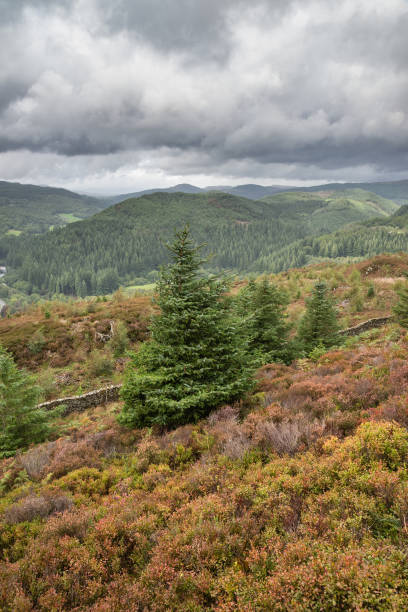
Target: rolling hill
<point x="125" y="243"/>
<point x="33" y="209"/>
<point x="393" y="190"/>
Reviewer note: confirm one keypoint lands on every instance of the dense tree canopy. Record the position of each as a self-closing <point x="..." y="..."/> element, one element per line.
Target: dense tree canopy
<point x="126" y="241"/>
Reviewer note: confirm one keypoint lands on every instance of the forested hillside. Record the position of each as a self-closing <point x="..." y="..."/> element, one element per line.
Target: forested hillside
<point x="380" y="235"/>
<point x="125" y="243"/>
<point x="33" y="209"/>
<point x="394" y="190"/>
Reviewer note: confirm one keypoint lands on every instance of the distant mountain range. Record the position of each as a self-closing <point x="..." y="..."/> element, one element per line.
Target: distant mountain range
<point x="394" y="190"/>
<point x="252" y="192"/>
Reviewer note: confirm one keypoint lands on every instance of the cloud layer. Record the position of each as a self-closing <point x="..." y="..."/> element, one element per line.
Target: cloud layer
<point x="111" y="94"/>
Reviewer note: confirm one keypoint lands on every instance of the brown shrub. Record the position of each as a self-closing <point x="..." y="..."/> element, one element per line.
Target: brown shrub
<point x="37" y="506"/>
<point x="148" y="452"/>
<point x="74" y="524"/>
<point x="181" y="435"/>
<point x="394" y="409"/>
<point x="286" y="437"/>
<point x="107" y="442"/>
<point x="36" y="461"/>
<point x="225" y="413"/>
<point x="235" y="443"/>
<point x="70" y="456"/>
<point x="231" y="438"/>
<point x="362" y="393"/>
<point x="343" y="424"/>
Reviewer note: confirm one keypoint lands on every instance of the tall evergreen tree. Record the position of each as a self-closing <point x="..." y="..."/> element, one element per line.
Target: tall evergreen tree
<point x="318" y="325"/>
<point x="22" y="423"/>
<point x="401" y="307"/>
<point x="262" y="306"/>
<point x="195" y="360"/>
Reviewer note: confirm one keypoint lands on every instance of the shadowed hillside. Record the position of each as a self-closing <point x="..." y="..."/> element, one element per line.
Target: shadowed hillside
<point x="33" y="209"/>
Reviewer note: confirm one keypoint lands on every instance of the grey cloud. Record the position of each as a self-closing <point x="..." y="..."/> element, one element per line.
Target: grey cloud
<point x="208" y="87"/>
<point x="200" y="28"/>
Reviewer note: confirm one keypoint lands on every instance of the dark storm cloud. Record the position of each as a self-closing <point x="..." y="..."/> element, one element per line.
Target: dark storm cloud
<point x="199" y="28"/>
<point x="211" y="87"/>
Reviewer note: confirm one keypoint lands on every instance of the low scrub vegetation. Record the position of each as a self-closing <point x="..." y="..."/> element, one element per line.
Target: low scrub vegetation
<point x="291" y="497"/>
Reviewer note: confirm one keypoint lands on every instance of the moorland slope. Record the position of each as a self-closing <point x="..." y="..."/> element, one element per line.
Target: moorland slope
<point x="292" y="499"/>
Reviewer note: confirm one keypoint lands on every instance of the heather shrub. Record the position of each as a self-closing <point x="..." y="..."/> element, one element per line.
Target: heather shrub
<point x="36" y="461"/>
<point x="394" y="409"/>
<point x="147" y="453"/>
<point x="74" y="524"/>
<point x="100" y="363"/>
<point x="37" y="506"/>
<point x="68" y="456"/>
<point x="155" y="475"/>
<point x="14" y="539"/>
<point x="319" y="578"/>
<point x="234" y="442"/>
<point x="287" y="436"/>
<point x="380" y="442"/>
<point x="87" y="482"/>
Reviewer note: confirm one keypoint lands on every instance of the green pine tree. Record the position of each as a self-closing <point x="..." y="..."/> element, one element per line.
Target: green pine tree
<point x="401" y="307"/>
<point x="22" y="423"/>
<point x="262" y="306"/>
<point x="318" y="325"/>
<point x="195" y="360"/>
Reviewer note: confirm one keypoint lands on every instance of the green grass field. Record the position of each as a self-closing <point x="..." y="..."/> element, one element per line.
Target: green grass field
<point x="69" y="218"/>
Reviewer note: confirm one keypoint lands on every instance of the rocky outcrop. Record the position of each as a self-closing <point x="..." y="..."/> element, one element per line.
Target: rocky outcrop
<point x="78" y="403"/>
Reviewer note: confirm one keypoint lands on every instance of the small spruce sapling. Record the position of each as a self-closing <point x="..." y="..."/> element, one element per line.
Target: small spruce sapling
<point x="319" y="325"/>
<point x="22" y="423"/>
<point x="262" y="308"/>
<point x="401" y="307"/>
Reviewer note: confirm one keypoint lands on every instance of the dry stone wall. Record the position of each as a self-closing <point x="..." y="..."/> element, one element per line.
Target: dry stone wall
<point x="365" y="326"/>
<point x="79" y="403"/>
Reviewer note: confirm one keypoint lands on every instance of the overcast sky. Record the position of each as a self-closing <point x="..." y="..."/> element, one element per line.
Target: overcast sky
<point x="120" y="95"/>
